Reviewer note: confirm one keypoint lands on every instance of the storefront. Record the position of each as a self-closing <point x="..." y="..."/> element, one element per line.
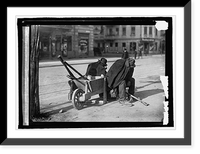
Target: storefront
<point x="44" y="45"/>
<point x="69" y="41"/>
<point x="162" y="47"/>
<point x="148" y="44"/>
<point x="66" y="45"/>
<point x="54" y="42"/>
<point x="132" y="47"/>
<point x="83" y="44"/>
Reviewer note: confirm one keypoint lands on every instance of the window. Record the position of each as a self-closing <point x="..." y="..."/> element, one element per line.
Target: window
<point x="110" y="31"/>
<point x="162" y="33"/>
<point x="156" y="44"/>
<point x="69" y="43"/>
<point x="150" y="30"/>
<point x="131" y="46"/>
<point x="117" y="31"/>
<point x="132" y="31"/>
<point x="102" y="29"/>
<point x="145" y="30"/>
<point x="156" y="32"/>
<point x="124" y="31"/>
<point x="111" y="44"/>
<point x="58" y="43"/>
<point x="123" y="45"/>
<point x="116" y="47"/>
<point x="44" y="42"/>
<point x="45" y="46"/>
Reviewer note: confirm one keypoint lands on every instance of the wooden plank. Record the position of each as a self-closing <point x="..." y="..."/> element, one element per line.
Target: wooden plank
<point x="96" y="84"/>
<point x="90" y="94"/>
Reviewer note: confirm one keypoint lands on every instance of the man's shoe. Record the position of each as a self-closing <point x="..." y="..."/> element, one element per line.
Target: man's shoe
<point x="121" y="101"/>
<point x="125" y="102"/>
<point x="131" y="100"/>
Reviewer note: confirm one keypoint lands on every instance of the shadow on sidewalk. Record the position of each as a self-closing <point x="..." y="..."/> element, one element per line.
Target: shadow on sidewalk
<point x="97" y="102"/>
<point x="146" y="93"/>
<point x="60" y="109"/>
<point x="56" y="111"/>
<point x="149" y="83"/>
<point x="150" y="80"/>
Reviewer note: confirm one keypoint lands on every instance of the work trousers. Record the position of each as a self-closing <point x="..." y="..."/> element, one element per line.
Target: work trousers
<point x="122" y="88"/>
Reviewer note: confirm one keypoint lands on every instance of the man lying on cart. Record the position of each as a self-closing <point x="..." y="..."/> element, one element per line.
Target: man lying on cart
<point x="94" y="70"/>
<point x="97" y="69"/>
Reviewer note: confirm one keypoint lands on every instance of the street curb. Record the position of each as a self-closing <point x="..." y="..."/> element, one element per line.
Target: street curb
<point x="58" y="63"/>
<point x="79" y="61"/>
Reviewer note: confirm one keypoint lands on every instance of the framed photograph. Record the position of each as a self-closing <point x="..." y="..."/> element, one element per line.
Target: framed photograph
<point x="78" y="101"/>
<point x="99" y="78"/>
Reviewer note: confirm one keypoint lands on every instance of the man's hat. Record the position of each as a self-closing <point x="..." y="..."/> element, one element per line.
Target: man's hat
<point x="104" y="61"/>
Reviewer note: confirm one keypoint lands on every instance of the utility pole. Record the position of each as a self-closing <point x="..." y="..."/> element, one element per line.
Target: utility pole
<point x="34" y="72"/>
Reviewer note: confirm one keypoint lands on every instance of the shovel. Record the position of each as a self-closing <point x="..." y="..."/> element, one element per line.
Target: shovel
<point x="138" y="99"/>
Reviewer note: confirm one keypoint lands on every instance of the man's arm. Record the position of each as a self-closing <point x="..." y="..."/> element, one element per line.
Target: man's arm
<point x="130" y="73"/>
<point x="88" y="68"/>
<point x="101" y="70"/>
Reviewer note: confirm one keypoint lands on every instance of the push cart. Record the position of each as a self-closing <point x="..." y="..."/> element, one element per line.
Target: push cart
<point x="84" y="88"/>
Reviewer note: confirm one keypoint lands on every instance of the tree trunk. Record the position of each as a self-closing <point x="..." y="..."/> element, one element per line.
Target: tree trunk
<point x="34" y="72"/>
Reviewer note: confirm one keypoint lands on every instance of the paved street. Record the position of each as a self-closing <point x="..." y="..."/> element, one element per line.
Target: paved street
<point x="54" y="88"/>
<point x="53" y="83"/>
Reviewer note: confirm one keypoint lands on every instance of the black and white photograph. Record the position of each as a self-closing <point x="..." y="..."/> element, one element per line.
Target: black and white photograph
<point x="96" y="72"/>
<point x="98" y="75"/>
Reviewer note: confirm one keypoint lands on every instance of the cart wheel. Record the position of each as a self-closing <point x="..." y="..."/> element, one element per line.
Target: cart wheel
<point x="75" y="99"/>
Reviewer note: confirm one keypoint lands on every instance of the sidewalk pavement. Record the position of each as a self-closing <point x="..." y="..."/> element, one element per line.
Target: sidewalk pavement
<point x="79" y="61"/>
<point x="74" y="61"/>
<point x="149" y="88"/>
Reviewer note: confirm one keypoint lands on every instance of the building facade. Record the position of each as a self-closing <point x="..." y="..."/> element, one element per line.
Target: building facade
<point x="114" y="38"/>
<point x="70" y="41"/>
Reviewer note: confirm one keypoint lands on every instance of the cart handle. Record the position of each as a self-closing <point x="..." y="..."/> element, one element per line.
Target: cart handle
<point x="66" y="64"/>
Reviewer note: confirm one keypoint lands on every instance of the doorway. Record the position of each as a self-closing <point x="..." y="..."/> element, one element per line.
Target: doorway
<point x="146" y="48"/>
<point x="132" y="47"/>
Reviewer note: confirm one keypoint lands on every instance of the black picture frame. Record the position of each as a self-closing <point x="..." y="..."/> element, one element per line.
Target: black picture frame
<point x="126" y="141"/>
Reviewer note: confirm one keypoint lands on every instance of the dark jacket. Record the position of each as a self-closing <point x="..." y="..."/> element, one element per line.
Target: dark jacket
<point x="119" y="71"/>
<point x="96" y="69"/>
